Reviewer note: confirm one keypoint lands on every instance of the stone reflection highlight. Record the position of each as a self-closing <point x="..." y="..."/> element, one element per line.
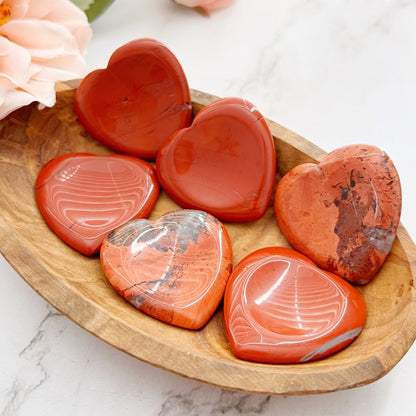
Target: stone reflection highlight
<point x="83" y="196"/>
<point x="280" y="308"/>
<point x="174" y="269"/>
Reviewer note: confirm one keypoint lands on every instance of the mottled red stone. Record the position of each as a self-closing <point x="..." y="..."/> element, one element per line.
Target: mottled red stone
<point x="224" y="164"/>
<point x="83" y="196"/>
<point x="279" y="307"/>
<point x="136" y="103"/>
<point x="343" y="213"/>
<point x="174" y="269"/>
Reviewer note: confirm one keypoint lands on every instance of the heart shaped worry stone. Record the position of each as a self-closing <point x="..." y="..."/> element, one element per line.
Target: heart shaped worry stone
<point x="279" y="307"/>
<point x="224" y="164"/>
<point x="174" y="269"/>
<point x="83" y="197"/>
<point x="136" y="103"/>
<point x="343" y="213"/>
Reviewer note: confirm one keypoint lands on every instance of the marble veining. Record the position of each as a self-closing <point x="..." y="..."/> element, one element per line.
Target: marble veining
<point x="195" y="403"/>
<point x="32" y="371"/>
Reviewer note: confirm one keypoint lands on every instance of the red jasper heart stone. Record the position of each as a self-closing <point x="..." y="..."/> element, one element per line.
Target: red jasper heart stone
<point x="136" y="103"/>
<point x="224" y="163"/>
<point x="343" y="213"/>
<point x="279" y="307"/>
<point x="83" y="197"/>
<point x="174" y="269"/>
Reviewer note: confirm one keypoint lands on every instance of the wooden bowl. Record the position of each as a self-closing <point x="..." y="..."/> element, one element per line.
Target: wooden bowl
<point x="76" y="285"/>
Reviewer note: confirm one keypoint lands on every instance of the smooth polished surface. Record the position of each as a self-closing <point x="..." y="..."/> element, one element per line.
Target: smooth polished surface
<point x="343" y="213"/>
<point x="334" y="72"/>
<point x="84" y="196"/>
<point x="138" y="101"/>
<point x="279" y="307"/>
<point x="174" y="269"/>
<point x="224" y="163"/>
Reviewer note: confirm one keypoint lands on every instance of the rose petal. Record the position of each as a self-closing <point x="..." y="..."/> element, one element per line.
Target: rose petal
<point x="61" y="68"/>
<point x="42" y="43"/>
<point x="54" y="10"/>
<point x="42" y="91"/>
<point x="14" y="62"/>
<point x="208" y="5"/>
<point x="11" y="99"/>
<point x="218" y="4"/>
<point x="42" y="39"/>
<point x="64" y="13"/>
<point x="193" y="3"/>
<point x="18" y="8"/>
<point x="4" y="88"/>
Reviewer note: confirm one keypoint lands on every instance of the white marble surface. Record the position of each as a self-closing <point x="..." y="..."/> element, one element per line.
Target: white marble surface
<point x="336" y="72"/>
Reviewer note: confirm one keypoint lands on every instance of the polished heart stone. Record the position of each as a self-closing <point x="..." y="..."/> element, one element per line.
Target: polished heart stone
<point x="224" y="164"/>
<point x="138" y="101"/>
<point x="279" y="307"/>
<point x="343" y="213"/>
<point x="174" y="269"/>
<point x="83" y="197"/>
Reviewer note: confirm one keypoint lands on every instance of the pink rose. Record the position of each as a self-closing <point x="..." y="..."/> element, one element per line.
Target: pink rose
<point x="206" y="5"/>
<point x="41" y="42"/>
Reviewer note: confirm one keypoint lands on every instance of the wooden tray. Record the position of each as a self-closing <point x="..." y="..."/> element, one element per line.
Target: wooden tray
<point x="76" y="286"/>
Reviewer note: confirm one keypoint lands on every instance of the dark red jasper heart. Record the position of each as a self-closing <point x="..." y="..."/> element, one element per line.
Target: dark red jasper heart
<point x="174" y="269"/>
<point x="136" y="103"/>
<point x="224" y="164"/>
<point x="343" y="213"/>
<point x="83" y="196"/>
<point x="279" y="307"/>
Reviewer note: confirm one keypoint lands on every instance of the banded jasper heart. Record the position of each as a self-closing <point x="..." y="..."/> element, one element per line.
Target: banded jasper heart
<point x="343" y="213"/>
<point x="174" y="269"/>
<point x="224" y="164"/>
<point x="136" y="103"/>
<point x="83" y="197"/>
<point x="279" y="307"/>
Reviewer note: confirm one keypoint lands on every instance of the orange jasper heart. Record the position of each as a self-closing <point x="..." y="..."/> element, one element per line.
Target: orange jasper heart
<point x="343" y="213"/>
<point x="174" y="269"/>
<point x="83" y="197"/>
<point x="224" y="164"/>
<point x="279" y="307"/>
<point x="136" y="103"/>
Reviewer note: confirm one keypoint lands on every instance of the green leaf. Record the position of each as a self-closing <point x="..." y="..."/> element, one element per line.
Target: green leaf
<point x="93" y="8"/>
<point x="82" y="4"/>
<point x="97" y="7"/>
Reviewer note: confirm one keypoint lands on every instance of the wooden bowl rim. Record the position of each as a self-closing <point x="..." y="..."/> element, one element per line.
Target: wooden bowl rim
<point x="308" y="378"/>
